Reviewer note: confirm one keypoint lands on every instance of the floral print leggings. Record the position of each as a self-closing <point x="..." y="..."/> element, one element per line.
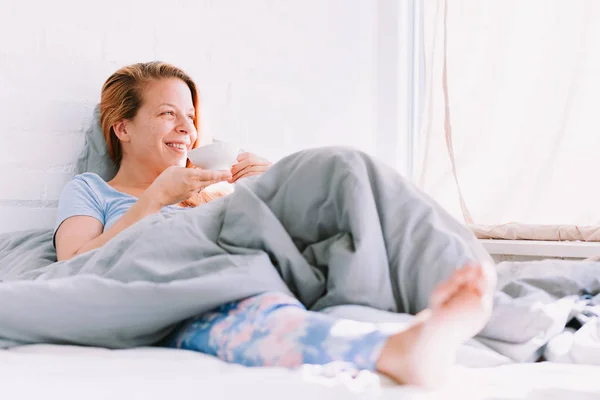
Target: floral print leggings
<point x="274" y="329"/>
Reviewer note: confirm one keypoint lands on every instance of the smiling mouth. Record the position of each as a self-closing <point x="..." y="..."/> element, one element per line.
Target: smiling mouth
<point x="178" y="147"/>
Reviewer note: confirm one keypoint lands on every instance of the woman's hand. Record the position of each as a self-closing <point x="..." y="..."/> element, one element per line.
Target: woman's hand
<point x="248" y="165"/>
<point x="177" y="184"/>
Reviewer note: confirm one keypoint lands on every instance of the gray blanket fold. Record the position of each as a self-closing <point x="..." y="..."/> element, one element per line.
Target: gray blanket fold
<point x="330" y="226"/>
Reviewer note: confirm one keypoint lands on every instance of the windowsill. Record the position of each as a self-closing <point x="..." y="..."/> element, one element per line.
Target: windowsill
<point x="539" y="248"/>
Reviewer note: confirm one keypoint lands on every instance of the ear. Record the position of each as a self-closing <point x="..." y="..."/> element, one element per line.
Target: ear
<point x="120" y="129"/>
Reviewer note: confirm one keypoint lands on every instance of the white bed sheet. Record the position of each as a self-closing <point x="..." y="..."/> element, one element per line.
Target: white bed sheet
<point x="66" y="372"/>
<point x="71" y="372"/>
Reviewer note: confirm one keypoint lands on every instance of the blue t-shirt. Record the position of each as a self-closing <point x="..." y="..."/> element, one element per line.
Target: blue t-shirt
<point x="88" y="194"/>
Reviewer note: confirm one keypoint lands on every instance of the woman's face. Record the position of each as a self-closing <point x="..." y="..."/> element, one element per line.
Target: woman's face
<point x="163" y="131"/>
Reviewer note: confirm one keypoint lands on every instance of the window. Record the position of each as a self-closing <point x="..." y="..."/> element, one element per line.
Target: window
<point x="509" y="140"/>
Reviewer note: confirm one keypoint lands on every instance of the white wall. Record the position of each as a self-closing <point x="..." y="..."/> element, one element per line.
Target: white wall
<point x="275" y="76"/>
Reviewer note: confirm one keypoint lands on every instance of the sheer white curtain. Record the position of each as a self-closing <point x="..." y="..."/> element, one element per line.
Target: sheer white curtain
<point x="510" y="138"/>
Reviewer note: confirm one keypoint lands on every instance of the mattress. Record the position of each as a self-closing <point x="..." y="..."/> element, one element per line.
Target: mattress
<point x="72" y="372"/>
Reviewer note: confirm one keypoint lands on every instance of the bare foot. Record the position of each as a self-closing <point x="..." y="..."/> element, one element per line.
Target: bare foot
<point x="459" y="308"/>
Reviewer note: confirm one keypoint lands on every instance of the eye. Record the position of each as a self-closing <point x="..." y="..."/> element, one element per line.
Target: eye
<point x="171" y="113"/>
<point x="192" y="117"/>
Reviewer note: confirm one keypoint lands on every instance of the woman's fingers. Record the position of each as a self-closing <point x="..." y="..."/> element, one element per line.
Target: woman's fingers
<point x="203" y="178"/>
<point x="249" y="171"/>
<point x="240" y="166"/>
<point x="247" y="162"/>
<point x="243" y="156"/>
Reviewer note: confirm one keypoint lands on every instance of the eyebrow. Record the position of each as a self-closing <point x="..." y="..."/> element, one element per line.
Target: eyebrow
<point x="172" y="105"/>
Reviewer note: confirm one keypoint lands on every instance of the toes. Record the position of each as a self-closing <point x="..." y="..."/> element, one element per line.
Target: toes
<point x="490" y="276"/>
<point x="441" y="293"/>
<point x="483" y="279"/>
<point x="466" y="274"/>
<point x="476" y="281"/>
<point x="448" y="288"/>
<point x="470" y="277"/>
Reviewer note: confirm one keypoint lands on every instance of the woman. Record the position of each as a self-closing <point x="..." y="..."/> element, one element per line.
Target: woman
<point x="149" y="116"/>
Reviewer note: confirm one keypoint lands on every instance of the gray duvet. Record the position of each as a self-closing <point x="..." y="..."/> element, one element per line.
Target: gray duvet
<point x="330" y="226"/>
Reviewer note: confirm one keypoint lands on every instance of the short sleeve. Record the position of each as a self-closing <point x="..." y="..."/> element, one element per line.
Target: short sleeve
<point x="78" y="199"/>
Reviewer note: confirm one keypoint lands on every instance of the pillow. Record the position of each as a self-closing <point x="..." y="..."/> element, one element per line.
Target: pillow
<point x="94" y="155"/>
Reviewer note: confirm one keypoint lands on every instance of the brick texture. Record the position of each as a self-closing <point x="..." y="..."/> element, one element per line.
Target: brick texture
<point x="275" y="76"/>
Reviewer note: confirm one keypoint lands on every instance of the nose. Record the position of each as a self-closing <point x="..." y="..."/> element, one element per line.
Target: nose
<point x="185" y="126"/>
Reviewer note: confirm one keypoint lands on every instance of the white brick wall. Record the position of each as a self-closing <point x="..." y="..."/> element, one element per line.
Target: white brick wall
<point x="276" y="76"/>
